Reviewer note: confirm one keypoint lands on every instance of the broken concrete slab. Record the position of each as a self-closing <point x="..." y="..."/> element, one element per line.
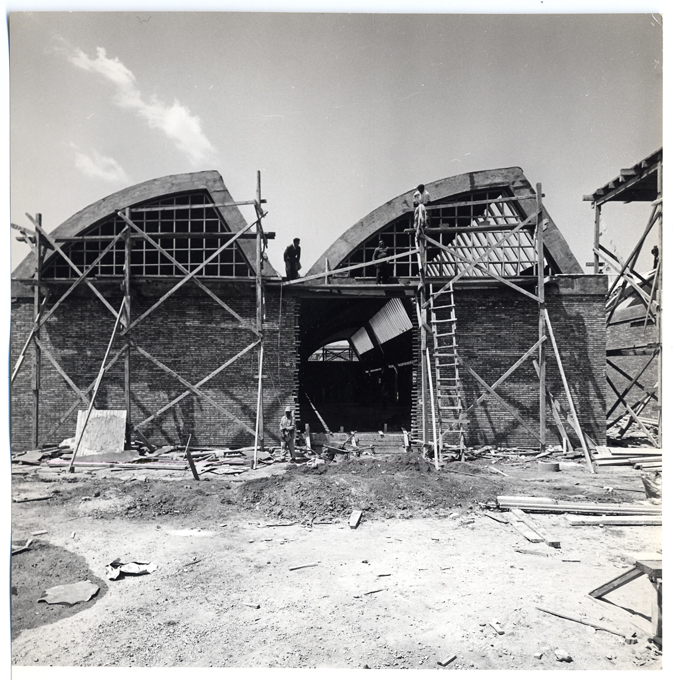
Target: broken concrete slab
<point x="70" y="594"/>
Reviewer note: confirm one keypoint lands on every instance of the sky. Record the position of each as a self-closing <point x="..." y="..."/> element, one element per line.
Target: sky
<point x="339" y="112"/>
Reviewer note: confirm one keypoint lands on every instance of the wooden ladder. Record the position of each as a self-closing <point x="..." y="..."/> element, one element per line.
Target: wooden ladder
<point x="447" y="379"/>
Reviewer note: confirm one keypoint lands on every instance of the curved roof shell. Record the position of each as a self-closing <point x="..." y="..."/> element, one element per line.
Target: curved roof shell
<point x="442" y="191"/>
<point x="162" y="187"/>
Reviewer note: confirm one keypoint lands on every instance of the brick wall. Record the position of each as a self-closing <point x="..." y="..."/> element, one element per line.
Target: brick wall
<point x="190" y="334"/>
<point x="496" y="326"/>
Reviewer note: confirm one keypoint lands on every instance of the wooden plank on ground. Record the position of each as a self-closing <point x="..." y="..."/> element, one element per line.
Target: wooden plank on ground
<point x="646" y="451"/>
<point x="626" y="520"/>
<point x="524" y="530"/>
<point x="543" y="533"/>
<point x="550" y="505"/>
<point x="586" y="622"/>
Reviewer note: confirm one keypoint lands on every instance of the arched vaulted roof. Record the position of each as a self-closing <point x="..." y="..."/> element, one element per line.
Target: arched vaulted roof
<point x="511" y="180"/>
<point x="208" y="182"/>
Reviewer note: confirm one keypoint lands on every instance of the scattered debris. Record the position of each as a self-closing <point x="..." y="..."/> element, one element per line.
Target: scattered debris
<point x="563" y="655"/>
<point x="27" y="499"/>
<point x="117" y="568"/>
<point x="20" y="548"/>
<point x="303" y="566"/>
<point x="251" y="605"/>
<point x="447" y="661"/>
<point x="495" y="625"/>
<point x="70" y="594"/>
<point x="42" y="532"/>
<point x="355" y="518"/>
<point x="538" y="655"/>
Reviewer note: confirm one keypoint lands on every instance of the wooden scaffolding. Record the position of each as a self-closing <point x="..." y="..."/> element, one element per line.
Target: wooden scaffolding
<point x="124" y="324"/>
<point x="640" y="183"/>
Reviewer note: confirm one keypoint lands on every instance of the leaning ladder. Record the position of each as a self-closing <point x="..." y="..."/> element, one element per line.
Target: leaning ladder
<point x="447" y="379"/>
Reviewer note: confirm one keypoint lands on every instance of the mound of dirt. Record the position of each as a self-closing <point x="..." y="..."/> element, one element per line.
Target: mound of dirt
<point x="402" y="486"/>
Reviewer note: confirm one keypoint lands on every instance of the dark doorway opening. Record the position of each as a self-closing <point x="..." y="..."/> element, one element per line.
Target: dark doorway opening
<point x="356" y="364"/>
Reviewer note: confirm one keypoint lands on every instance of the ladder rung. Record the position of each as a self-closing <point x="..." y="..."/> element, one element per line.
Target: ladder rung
<point x="450" y="408"/>
<point x="451" y="319"/>
<point x="452" y="306"/>
<point x="443" y="354"/>
<point x="444" y="335"/>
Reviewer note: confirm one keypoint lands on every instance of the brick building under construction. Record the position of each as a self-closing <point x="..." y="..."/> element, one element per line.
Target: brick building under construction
<point x="159" y="300"/>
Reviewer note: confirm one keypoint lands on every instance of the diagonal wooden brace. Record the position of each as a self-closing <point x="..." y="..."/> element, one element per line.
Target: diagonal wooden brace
<point x="504" y="403"/>
<point x="74" y="267"/>
<point x="508" y="373"/>
<point x="190" y="391"/>
<point x="189" y="386"/>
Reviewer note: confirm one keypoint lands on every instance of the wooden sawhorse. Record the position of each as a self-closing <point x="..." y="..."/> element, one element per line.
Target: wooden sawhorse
<point x="652" y="569"/>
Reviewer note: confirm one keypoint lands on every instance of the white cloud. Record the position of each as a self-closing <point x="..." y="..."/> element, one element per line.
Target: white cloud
<point x="175" y="121"/>
<point x="101" y="167"/>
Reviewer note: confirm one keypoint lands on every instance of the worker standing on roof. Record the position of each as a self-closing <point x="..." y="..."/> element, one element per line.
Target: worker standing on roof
<point x="291" y="257"/>
<point x="287" y="427"/>
<point x="420" y="199"/>
<point x="382" y="267"/>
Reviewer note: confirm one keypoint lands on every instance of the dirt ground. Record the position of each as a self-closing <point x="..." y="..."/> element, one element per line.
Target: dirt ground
<point x="420" y="580"/>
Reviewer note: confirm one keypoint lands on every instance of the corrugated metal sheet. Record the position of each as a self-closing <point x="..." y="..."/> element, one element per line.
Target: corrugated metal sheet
<point x="361" y="341"/>
<point x="390" y="321"/>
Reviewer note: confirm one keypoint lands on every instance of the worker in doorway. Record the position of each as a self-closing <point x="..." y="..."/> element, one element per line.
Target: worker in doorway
<point x="291" y="257"/>
<point x="382" y="267"/>
<point x="420" y="200"/>
<point x="287" y="428"/>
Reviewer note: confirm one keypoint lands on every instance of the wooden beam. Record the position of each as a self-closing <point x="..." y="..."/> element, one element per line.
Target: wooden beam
<point x="96" y="388"/>
<point x="569" y="398"/>
<point x="62" y="372"/>
<point x="540" y="294"/>
<point x="551" y="505"/>
<point x="557" y="413"/>
<point x="543" y="533"/>
<point x="164" y="208"/>
<point x="37" y="359"/>
<point x="205" y="235"/>
<point x="615" y="583"/>
<point x="341" y="270"/>
<point x="127" y="323"/>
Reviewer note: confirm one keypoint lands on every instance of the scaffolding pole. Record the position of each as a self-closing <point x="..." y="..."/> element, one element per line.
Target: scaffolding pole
<point x="540" y="289"/>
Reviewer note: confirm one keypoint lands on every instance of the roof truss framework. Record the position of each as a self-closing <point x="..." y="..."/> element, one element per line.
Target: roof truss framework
<point x="476" y="226"/>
